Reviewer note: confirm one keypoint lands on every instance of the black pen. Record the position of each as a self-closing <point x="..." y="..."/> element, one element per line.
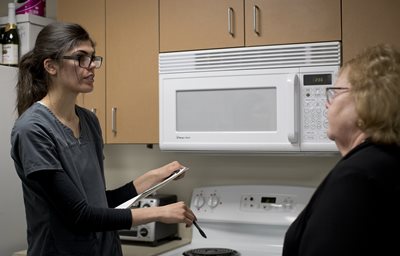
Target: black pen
<point x="199" y="229"/>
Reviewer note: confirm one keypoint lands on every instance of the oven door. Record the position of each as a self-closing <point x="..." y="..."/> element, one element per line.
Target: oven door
<point x="254" y="110"/>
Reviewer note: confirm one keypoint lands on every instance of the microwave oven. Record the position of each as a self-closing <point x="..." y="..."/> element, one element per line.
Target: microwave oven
<point x="247" y="99"/>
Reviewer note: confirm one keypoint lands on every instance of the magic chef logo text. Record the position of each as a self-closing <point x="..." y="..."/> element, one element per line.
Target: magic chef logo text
<point x="183" y="137"/>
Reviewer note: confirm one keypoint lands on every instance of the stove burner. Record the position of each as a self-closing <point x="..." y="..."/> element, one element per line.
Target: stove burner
<point x="211" y="252"/>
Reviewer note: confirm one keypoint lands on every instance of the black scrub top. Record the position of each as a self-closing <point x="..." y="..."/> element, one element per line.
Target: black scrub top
<point x="68" y="210"/>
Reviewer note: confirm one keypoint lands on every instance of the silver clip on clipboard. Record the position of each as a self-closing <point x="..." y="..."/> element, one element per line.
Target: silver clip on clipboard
<point x="151" y="190"/>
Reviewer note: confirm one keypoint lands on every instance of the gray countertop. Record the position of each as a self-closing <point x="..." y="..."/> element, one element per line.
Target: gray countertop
<point x="139" y="250"/>
<point x="136" y="250"/>
<point x="133" y="250"/>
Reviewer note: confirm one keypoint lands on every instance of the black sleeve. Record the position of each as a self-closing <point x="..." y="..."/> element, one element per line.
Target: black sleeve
<point x="68" y="202"/>
<point x="118" y="196"/>
<point x="339" y="224"/>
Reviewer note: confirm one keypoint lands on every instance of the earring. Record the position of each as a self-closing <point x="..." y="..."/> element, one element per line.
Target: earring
<point x="360" y="123"/>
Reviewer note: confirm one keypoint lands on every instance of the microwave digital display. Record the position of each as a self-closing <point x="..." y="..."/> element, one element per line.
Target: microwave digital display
<point x="318" y="79"/>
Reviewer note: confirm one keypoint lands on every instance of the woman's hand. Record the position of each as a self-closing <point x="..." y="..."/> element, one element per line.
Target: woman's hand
<point x="155" y="176"/>
<point x="171" y="213"/>
<point x="168" y="169"/>
<point x="177" y="213"/>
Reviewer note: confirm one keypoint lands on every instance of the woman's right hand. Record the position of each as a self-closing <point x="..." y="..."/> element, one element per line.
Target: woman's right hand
<point x="172" y="213"/>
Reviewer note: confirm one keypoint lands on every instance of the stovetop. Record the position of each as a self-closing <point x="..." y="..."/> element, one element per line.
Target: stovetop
<point x="211" y="251"/>
<point x="249" y="220"/>
<point x="239" y="251"/>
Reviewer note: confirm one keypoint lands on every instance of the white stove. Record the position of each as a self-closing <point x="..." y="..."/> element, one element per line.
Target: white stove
<point x="243" y="220"/>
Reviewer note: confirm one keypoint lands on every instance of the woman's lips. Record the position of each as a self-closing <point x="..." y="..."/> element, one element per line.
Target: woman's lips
<point x="89" y="78"/>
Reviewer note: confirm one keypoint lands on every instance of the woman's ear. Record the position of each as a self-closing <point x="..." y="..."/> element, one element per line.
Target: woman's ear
<point x="50" y="66"/>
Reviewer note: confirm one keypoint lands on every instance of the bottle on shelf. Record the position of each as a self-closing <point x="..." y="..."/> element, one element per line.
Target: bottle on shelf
<point x="11" y="43"/>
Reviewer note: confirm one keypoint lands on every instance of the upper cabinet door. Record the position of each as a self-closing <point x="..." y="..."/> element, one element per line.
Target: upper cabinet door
<point x="200" y="24"/>
<point x="288" y="21"/>
<point x="206" y="24"/>
<point x="132" y="71"/>
<point x="94" y="22"/>
<point x="369" y="22"/>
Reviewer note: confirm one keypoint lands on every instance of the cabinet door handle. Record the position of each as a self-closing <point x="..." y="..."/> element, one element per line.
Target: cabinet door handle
<point x="230" y="22"/>
<point x="113" y="121"/>
<point x="94" y="110"/>
<point x="256" y="11"/>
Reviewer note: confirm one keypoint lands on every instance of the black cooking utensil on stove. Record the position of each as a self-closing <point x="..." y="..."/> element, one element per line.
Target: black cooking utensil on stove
<point x="199" y="229"/>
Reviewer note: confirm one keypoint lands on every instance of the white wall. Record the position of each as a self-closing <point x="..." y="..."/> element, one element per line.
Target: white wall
<point x="12" y="214"/>
<point x="125" y="162"/>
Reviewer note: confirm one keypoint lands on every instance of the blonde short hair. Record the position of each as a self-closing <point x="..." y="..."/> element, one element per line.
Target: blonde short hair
<point x="374" y="76"/>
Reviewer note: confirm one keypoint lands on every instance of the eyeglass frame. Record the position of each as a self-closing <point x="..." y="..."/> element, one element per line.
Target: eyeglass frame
<point x="330" y="92"/>
<point x="78" y="57"/>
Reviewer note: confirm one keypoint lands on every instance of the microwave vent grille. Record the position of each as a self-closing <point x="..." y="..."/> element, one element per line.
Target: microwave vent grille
<point x="248" y="58"/>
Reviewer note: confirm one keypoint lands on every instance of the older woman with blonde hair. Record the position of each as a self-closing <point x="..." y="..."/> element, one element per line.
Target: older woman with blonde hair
<point x="354" y="210"/>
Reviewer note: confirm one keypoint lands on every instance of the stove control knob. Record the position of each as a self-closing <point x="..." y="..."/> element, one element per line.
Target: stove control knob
<point x="213" y="201"/>
<point x="198" y="201"/>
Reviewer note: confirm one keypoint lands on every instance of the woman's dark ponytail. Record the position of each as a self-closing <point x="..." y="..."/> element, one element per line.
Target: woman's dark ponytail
<point x="32" y="85"/>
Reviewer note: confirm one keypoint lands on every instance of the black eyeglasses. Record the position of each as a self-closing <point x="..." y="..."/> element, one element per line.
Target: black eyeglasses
<point x="85" y="60"/>
<point x="331" y="92"/>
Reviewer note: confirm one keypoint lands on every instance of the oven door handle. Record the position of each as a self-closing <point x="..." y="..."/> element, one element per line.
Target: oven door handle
<point x="293" y="85"/>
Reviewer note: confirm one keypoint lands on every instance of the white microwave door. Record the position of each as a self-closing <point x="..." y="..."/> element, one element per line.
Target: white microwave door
<point x="250" y="111"/>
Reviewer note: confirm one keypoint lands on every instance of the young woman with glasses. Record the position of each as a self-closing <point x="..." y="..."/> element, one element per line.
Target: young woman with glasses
<point x="57" y="149"/>
<point x="354" y="211"/>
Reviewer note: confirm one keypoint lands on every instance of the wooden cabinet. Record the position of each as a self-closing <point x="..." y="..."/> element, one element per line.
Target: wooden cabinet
<point x="206" y="24"/>
<point x="126" y="87"/>
<point x="94" y="22"/>
<point x="132" y="71"/>
<point x="200" y="24"/>
<point x="367" y="23"/>
<point x="287" y="21"/>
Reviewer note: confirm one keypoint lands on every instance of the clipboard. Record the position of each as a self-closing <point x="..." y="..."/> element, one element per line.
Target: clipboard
<point x="146" y="193"/>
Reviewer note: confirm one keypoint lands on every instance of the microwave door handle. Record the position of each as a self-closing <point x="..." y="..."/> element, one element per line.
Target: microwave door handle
<point x="293" y="90"/>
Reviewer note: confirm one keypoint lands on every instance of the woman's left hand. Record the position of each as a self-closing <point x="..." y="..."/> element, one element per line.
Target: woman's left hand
<point x="155" y="176"/>
<point x="169" y="169"/>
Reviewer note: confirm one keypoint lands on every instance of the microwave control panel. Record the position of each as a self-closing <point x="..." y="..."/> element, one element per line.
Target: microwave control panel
<point x="314" y="120"/>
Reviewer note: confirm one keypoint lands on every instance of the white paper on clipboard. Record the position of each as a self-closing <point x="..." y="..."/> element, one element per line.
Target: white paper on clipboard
<point x="151" y="190"/>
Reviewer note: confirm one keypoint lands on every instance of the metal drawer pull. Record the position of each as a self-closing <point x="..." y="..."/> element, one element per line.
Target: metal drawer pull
<point x="94" y="110"/>
<point x="230" y="22"/>
<point x="113" y="121"/>
<point x="256" y="10"/>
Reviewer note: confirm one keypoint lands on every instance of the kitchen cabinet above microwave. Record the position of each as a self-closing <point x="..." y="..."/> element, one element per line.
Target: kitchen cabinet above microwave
<point x="207" y="24"/>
